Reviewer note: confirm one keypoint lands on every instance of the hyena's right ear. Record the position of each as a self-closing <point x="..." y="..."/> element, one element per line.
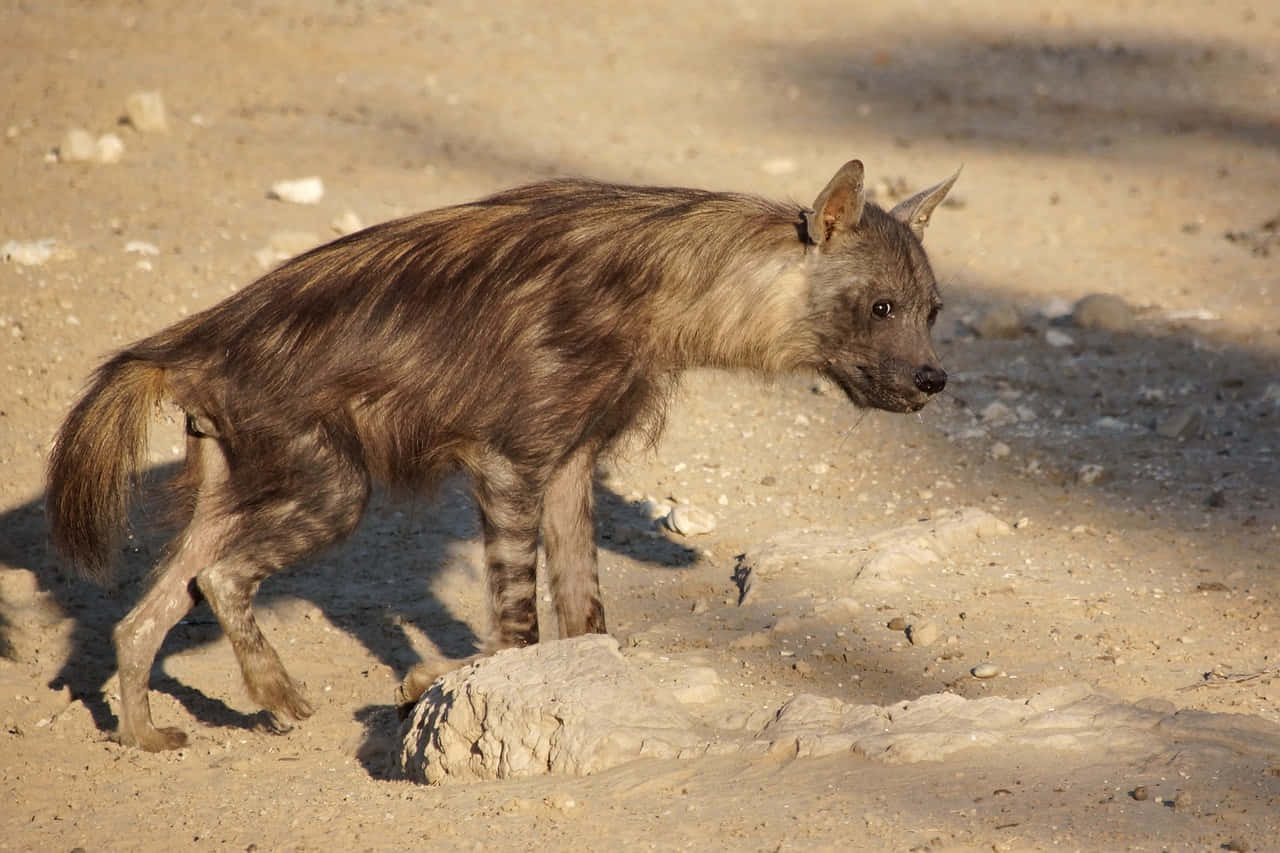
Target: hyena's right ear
<point x="838" y="207"/>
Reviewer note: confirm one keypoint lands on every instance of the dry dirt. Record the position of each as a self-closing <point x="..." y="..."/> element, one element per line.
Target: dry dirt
<point x="1107" y="147"/>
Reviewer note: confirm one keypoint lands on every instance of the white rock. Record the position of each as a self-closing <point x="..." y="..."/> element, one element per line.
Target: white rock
<point x="985" y="670"/>
<point x="141" y="247"/>
<point x="1058" y="338"/>
<point x="78" y="146"/>
<point x="691" y="521"/>
<point x="778" y="166"/>
<point x="146" y="112"/>
<point x="997" y="412"/>
<point x="1000" y="450"/>
<point x="299" y="191"/>
<point x="997" y="322"/>
<point x="569" y="707"/>
<point x="30" y="253"/>
<point x="109" y="148"/>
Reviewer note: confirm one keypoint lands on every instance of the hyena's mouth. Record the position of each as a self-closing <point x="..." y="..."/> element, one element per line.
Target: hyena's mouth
<point x="867" y="389"/>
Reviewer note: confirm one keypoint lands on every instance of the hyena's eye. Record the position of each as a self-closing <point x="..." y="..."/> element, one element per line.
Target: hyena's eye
<point x="882" y="309"/>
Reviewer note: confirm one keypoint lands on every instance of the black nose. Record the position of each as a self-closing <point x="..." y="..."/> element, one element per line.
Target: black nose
<point x="930" y="379"/>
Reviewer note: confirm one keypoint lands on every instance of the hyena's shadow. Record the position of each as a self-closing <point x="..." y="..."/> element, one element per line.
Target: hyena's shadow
<point x="379" y="587"/>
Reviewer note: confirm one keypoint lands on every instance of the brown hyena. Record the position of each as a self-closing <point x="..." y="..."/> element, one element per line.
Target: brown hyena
<point x="516" y="338"/>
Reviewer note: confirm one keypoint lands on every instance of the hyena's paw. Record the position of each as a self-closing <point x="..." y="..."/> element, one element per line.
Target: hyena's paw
<point x="152" y="739"/>
<point x="420" y="678"/>
<point x="280" y="695"/>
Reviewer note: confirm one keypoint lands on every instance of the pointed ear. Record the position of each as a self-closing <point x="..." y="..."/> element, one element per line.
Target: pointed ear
<point x="839" y="206"/>
<point x="915" y="211"/>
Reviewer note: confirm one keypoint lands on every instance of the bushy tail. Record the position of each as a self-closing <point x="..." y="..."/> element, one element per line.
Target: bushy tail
<point x="95" y="458"/>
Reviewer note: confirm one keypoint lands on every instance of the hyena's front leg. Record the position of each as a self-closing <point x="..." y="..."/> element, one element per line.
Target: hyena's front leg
<point x="569" y="535"/>
<point x="510" y="502"/>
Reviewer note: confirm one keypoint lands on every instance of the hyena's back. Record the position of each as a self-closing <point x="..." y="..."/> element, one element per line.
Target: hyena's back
<point x="528" y="321"/>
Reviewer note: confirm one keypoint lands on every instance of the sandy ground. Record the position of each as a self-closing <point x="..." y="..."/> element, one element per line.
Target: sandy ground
<point x="1107" y="147"/>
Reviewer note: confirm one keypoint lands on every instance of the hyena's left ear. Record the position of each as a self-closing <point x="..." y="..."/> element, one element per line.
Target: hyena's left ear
<point x="915" y="211"/>
<point x="839" y="206"/>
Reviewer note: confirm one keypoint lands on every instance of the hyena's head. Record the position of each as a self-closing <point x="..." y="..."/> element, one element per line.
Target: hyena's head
<point x="873" y="299"/>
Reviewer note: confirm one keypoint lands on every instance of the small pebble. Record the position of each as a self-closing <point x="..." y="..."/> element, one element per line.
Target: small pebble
<point x="699" y="606"/>
<point x="109" y="148"/>
<point x="1237" y="845"/>
<point x="300" y="191"/>
<point x="29" y="253"/>
<point x="985" y="670"/>
<point x="77" y="146"/>
<point x="690" y="521"/>
<point x="146" y="112"/>
<point x="803" y="668"/>
<point x="1058" y="338"/>
<point x="1139" y="793"/>
<point x="1103" y="312"/>
<point x="923" y="633"/>
<point x="778" y="166"/>
<point x="1000" y="450"/>
<point x="897" y="623"/>
<point x="997" y="322"/>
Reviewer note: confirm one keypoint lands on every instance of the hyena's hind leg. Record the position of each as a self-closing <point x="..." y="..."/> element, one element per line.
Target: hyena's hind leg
<point x="510" y="502"/>
<point x="326" y="496"/>
<point x="138" y="636"/>
<point x="569" y="536"/>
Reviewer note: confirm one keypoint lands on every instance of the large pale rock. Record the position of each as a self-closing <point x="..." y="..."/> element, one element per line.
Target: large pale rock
<point x="579" y="706"/>
<point x="569" y="707"/>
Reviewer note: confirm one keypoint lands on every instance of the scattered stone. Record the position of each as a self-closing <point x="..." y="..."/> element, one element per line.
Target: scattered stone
<point x="997" y="322"/>
<point x="700" y="606"/>
<point x="996" y="413"/>
<point x="30" y="253"/>
<point x="1237" y="845"/>
<point x="141" y="247"/>
<point x="109" y="148"/>
<point x="1103" y="312"/>
<point x="300" y="191"/>
<point x="985" y="670"/>
<point x="923" y="634"/>
<point x="1058" y="338"/>
<point x="348" y="223"/>
<point x="1271" y="394"/>
<point x="1000" y="450"/>
<point x="897" y="623"/>
<point x="1056" y="308"/>
<point x="1181" y="424"/>
<point x="803" y="668"/>
<point x="778" y="166"/>
<point x="1090" y="474"/>
<point x="78" y="146"/>
<point x="1139" y="793"/>
<point x="690" y="521"/>
<point x="146" y="112"/>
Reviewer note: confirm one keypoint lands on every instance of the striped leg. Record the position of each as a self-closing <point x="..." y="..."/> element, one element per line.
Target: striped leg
<point x="569" y="534"/>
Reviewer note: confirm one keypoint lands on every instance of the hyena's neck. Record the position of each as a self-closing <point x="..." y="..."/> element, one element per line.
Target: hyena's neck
<point x="749" y="313"/>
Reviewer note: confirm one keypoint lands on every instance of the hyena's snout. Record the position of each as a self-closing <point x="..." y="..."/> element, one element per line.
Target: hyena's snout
<point x="930" y="379"/>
